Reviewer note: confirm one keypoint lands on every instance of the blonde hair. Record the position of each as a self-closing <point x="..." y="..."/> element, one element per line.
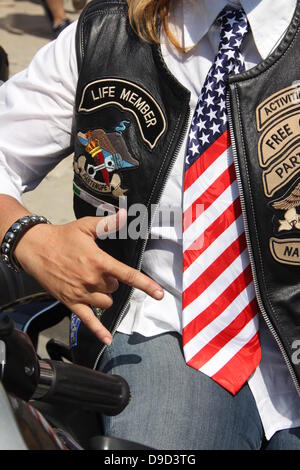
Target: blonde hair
<point x="144" y="16"/>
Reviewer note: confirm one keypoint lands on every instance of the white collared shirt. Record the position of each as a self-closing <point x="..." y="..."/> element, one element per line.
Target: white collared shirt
<point x="36" y="110"/>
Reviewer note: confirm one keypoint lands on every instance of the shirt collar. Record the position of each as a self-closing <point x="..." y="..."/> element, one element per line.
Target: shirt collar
<point x="191" y="20"/>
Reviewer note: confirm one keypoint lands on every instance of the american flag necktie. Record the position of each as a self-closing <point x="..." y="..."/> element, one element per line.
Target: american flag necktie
<point x="220" y="313"/>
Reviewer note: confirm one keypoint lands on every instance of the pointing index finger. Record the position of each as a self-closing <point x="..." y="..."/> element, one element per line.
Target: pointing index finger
<point x="133" y="277"/>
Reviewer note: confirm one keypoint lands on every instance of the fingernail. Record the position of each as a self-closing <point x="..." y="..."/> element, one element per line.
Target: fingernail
<point x="107" y="340"/>
<point x="114" y="284"/>
<point x="158" y="294"/>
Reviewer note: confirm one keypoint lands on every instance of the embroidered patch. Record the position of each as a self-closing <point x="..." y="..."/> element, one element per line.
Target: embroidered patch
<point x="284" y="169"/>
<point x="289" y="205"/>
<point x="130" y="97"/>
<point x="278" y="120"/>
<point x="103" y="207"/>
<point x="286" y="251"/>
<point x="277" y="104"/>
<point x="106" y="154"/>
<point x="74" y="326"/>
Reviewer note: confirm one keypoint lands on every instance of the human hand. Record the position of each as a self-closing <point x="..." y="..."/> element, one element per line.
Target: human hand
<point x="66" y="260"/>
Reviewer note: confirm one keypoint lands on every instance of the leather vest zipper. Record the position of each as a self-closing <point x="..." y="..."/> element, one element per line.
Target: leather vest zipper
<point x="250" y="249"/>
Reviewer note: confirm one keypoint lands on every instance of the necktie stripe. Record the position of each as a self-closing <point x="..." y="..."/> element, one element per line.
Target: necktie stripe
<point x="219" y="307"/>
<point x="212" y="273"/>
<point x="206" y="351"/>
<point x="230" y="349"/>
<point x="243" y="364"/>
<point x="212" y="192"/>
<point x="217" y="287"/>
<point x="204" y="220"/>
<point x="212" y="252"/>
<point x="201" y="319"/>
<point x="224" y="221"/>
<point x="204" y="180"/>
<point x="201" y="165"/>
<point x="208" y="333"/>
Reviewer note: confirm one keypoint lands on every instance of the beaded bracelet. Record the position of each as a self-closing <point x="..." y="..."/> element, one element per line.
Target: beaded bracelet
<point x="13" y="236"/>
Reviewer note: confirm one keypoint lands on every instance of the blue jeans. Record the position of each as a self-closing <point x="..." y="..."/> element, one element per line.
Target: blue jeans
<point x="176" y="407"/>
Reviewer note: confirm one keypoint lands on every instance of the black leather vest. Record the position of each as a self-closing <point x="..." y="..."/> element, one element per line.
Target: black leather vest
<point x="130" y="105"/>
<point x="265" y="121"/>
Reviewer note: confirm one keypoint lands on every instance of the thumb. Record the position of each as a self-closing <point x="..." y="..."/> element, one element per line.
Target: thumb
<point x="111" y="223"/>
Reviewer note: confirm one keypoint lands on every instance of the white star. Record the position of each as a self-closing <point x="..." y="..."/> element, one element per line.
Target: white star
<point x="215" y="128"/>
<point x="230" y="67"/>
<point x="219" y="76"/>
<point x="199" y="110"/>
<point x="238" y="42"/>
<point x="209" y="100"/>
<point x="218" y="62"/>
<point x="230" y="54"/>
<point x="220" y="90"/>
<point x="236" y="69"/>
<point x="201" y="124"/>
<point x="224" y="118"/>
<point x="231" y="21"/>
<point x="187" y="160"/>
<point x="209" y="86"/>
<point x="192" y="135"/>
<point x="222" y="104"/>
<point x="212" y="114"/>
<point x="225" y="46"/>
<point x="228" y="34"/>
<point x="241" y="58"/>
<point x="204" y="139"/>
<point x="194" y="149"/>
<point x="242" y="30"/>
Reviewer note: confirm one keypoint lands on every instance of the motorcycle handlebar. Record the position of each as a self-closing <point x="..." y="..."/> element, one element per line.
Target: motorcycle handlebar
<point x="26" y="377"/>
<point x="60" y="382"/>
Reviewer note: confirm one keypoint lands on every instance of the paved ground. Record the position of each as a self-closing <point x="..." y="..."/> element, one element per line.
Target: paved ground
<point x="24" y="29"/>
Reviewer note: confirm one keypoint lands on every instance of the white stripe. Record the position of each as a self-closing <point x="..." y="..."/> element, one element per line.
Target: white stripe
<point x="212" y="252"/>
<point x="208" y="333"/>
<point x="216" y="288"/>
<point x="206" y="218"/>
<point x="207" y="178"/>
<point x="231" y="348"/>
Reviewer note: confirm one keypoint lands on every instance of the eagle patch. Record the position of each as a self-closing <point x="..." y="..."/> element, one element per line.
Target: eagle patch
<point x="104" y="156"/>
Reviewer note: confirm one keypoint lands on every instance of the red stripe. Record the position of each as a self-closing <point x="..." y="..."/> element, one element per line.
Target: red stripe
<point x="214" y="230"/>
<point x="209" y="196"/>
<point x="207" y="158"/>
<point x="214" y="270"/>
<point x="238" y="370"/>
<point x="224" y="336"/>
<point x="218" y="306"/>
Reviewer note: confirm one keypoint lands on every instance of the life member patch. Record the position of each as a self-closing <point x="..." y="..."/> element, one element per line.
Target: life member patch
<point x="278" y="121"/>
<point x="130" y="97"/>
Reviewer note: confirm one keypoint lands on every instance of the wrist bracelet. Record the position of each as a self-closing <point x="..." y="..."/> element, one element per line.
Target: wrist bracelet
<point x="13" y="236"/>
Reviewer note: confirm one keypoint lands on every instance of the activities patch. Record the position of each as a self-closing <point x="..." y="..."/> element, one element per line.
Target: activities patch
<point x="278" y="120"/>
<point x="130" y="97"/>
